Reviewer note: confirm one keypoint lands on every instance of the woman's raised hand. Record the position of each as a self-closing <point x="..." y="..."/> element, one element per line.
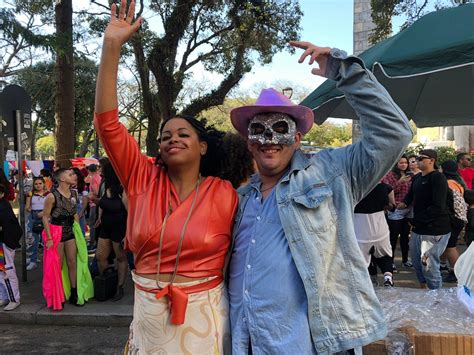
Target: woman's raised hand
<point x="122" y="27"/>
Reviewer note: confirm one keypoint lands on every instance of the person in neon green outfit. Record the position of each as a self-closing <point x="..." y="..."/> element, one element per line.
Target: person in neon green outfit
<point x="60" y="214"/>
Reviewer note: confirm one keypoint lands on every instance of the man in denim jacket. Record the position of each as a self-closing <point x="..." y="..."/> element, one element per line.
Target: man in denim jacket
<point x="297" y="281"/>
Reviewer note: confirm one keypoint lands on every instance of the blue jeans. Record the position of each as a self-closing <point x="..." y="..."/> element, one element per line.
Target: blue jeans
<point x="32" y="247"/>
<point x="426" y="249"/>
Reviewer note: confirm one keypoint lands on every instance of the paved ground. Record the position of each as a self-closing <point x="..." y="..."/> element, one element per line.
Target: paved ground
<point x="42" y="339"/>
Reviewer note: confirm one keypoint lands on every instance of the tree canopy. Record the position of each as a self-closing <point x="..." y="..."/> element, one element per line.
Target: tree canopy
<point x="223" y="39"/>
<point x="383" y="12"/>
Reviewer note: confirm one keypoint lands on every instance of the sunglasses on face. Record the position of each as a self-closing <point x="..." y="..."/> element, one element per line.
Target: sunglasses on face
<point x="421" y="158"/>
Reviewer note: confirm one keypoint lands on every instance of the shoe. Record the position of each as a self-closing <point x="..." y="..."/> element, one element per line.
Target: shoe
<point x="119" y="295"/>
<point x="387" y="281"/>
<point x="4" y="302"/>
<point x="31" y="266"/>
<point x="407" y="264"/>
<point x="73" y="297"/>
<point x="11" y="306"/>
<point x="450" y="278"/>
<point x="443" y="267"/>
<point x="375" y="280"/>
<point x="394" y="268"/>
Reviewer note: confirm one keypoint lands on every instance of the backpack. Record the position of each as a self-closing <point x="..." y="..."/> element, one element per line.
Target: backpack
<point x="459" y="206"/>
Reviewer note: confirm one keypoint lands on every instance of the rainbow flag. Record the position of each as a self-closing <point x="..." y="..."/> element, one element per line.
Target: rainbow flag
<point x="2" y="258"/>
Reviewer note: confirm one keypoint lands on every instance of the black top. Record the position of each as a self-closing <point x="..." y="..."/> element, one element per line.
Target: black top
<point x="11" y="231"/>
<point x="375" y="201"/>
<point x="429" y="195"/>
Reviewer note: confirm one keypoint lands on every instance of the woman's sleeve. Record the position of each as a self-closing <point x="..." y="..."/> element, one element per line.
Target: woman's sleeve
<point x="390" y="179"/>
<point x="131" y="166"/>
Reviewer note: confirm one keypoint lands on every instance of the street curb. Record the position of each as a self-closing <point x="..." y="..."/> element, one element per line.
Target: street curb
<point x="95" y="314"/>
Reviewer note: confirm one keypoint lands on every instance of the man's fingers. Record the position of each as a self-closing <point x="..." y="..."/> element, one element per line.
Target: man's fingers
<point x="300" y="44"/>
<point x="314" y="55"/>
<point x="304" y="55"/>
<point x="317" y="71"/>
<point x="131" y="12"/>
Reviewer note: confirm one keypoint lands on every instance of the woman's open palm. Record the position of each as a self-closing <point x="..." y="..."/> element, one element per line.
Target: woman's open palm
<point x="122" y="27"/>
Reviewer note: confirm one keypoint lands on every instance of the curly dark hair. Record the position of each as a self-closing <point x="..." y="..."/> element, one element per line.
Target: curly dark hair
<point x="226" y="158"/>
<point x="239" y="165"/>
<point x="110" y="178"/>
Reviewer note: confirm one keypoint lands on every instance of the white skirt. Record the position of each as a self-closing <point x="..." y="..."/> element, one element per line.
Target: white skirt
<point x="206" y="329"/>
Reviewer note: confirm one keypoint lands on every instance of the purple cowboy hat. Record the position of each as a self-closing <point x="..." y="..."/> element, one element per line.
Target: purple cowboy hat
<point x="271" y="100"/>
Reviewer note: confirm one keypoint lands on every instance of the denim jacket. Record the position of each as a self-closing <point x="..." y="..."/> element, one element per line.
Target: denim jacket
<point x="316" y="200"/>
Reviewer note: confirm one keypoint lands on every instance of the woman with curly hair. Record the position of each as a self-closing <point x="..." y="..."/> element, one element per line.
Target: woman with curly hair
<point x="180" y="216"/>
<point x="400" y="181"/>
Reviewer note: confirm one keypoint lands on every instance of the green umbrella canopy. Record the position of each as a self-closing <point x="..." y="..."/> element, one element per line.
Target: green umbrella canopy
<point x="428" y="69"/>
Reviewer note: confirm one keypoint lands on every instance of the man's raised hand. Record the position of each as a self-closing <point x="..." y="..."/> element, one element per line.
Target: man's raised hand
<point x="317" y="54"/>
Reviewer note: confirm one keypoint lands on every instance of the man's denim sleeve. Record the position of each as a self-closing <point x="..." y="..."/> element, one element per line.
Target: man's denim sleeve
<point x="385" y="129"/>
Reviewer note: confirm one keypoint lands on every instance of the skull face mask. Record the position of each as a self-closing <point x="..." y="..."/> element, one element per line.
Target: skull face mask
<point x="272" y="128"/>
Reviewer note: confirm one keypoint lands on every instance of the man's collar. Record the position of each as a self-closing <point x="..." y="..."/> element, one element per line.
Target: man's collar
<point x="299" y="161"/>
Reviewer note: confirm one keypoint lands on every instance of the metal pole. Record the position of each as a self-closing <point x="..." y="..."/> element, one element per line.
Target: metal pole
<point x="2" y="151"/>
<point x="21" y="199"/>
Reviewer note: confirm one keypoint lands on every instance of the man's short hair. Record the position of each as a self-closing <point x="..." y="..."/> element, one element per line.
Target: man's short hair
<point x="3" y="189"/>
<point x="58" y="173"/>
<point x="460" y="156"/>
<point x="92" y="168"/>
<point x="45" y="173"/>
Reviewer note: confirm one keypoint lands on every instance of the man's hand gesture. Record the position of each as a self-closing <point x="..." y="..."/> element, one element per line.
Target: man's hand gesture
<point x="318" y="54"/>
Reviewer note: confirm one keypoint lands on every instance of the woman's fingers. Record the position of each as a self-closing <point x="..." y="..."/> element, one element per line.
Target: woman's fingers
<point x="113" y="12"/>
<point x="136" y="25"/>
<point x="131" y="12"/>
<point x="123" y="6"/>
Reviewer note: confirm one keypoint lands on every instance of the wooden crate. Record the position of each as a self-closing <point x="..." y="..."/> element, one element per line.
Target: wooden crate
<point x="444" y="344"/>
<point x="429" y="344"/>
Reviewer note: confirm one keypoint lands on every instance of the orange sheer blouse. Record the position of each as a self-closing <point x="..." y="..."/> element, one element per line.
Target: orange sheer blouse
<point x="149" y="191"/>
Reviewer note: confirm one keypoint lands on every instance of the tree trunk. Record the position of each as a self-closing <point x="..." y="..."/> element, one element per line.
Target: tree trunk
<point x="150" y="103"/>
<point x="64" y="116"/>
<point x="86" y="141"/>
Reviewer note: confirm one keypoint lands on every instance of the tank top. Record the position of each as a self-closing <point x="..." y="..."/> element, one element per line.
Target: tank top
<point x="37" y="201"/>
<point x="64" y="209"/>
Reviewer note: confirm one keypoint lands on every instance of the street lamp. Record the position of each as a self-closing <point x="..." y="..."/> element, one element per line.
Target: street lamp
<point x="288" y="92"/>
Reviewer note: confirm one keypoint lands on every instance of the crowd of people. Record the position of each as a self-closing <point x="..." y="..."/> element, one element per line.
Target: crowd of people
<point x="424" y="207"/>
<point x="271" y="262"/>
